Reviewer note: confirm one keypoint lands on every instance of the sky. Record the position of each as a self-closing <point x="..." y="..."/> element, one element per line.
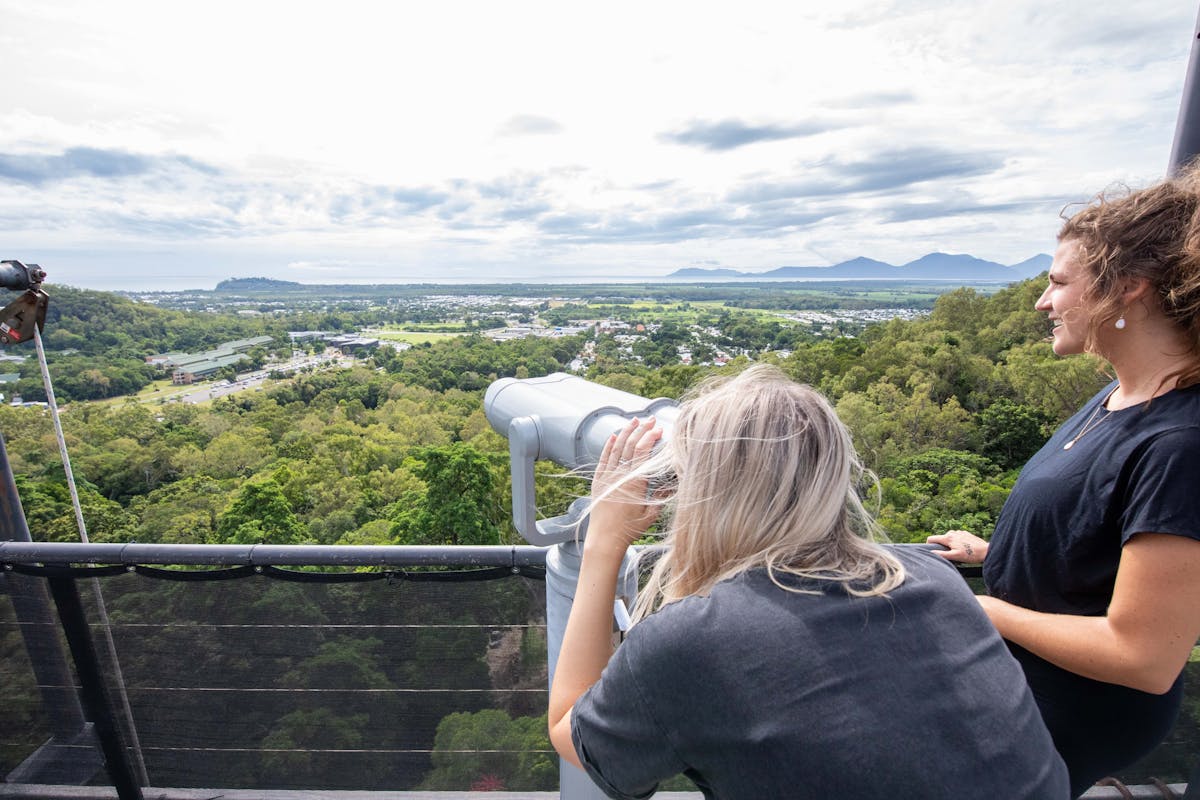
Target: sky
<point x="168" y="145"/>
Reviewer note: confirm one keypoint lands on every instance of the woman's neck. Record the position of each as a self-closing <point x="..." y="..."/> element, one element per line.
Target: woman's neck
<point x="1144" y="377"/>
<point x="1146" y="355"/>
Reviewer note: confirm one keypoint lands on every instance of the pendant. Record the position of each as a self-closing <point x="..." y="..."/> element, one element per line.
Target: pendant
<point x="1069" y="445"/>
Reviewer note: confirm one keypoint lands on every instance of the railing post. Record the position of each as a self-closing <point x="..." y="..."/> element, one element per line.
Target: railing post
<point x="562" y="577"/>
<point x="91" y="678"/>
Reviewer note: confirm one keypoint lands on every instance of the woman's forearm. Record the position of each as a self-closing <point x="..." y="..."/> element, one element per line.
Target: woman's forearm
<point x="1147" y="635"/>
<point x="587" y="641"/>
<point x="619" y="514"/>
<point x="1087" y="646"/>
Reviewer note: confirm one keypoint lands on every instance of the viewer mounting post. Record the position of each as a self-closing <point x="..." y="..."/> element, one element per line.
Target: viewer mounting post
<point x="565" y="419"/>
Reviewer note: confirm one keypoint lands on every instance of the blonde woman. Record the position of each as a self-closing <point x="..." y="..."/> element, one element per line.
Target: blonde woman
<point x="780" y="652"/>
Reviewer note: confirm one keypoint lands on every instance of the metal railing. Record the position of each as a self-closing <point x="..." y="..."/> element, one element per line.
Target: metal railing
<point x="26" y="556"/>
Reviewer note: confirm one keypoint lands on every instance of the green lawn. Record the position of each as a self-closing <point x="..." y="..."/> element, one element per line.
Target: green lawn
<point x="414" y="337"/>
<point x="150" y="393"/>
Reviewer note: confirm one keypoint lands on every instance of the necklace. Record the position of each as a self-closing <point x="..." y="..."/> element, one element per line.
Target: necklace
<point x="1092" y="421"/>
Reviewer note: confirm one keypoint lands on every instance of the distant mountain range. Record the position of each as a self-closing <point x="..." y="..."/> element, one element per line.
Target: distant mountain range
<point x="935" y="266"/>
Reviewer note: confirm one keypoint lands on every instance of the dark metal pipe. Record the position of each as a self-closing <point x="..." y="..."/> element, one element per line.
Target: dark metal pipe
<point x="272" y="554"/>
<point x="1187" y="126"/>
<point x="31" y="605"/>
<point x="91" y="679"/>
<point x="19" y="277"/>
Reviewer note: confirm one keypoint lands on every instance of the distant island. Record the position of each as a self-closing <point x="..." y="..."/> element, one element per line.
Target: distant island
<point x="934" y="266"/>
<point x="254" y="285"/>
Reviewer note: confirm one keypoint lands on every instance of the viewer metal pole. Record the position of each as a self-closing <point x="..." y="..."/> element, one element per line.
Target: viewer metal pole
<point x="562" y="578"/>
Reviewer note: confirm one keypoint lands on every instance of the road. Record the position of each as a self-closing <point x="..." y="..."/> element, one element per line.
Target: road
<point x="252" y="381"/>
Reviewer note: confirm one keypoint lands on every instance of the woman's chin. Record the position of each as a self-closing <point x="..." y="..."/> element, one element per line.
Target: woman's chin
<point x="1063" y="345"/>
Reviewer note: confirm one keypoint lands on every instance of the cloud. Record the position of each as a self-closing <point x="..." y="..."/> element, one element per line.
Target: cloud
<point x="636" y="226"/>
<point x="1134" y="38"/>
<point x="88" y="162"/>
<point x="418" y="199"/>
<point x="515" y="213"/>
<point x="909" y="212"/>
<point x="521" y="185"/>
<point x="730" y="134"/>
<point x="528" y="125"/>
<point x="895" y="168"/>
<point x="889" y="170"/>
<point x="872" y="100"/>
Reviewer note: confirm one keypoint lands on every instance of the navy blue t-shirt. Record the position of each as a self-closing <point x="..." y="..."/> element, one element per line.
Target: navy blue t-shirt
<point x="1058" y="541"/>
<point x="1057" y="547"/>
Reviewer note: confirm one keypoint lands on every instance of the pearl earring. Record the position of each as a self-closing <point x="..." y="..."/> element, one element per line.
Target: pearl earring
<point x="1120" y="323"/>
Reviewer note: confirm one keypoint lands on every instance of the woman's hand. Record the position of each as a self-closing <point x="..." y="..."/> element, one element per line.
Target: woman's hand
<point x="620" y="513"/>
<point x="962" y="546"/>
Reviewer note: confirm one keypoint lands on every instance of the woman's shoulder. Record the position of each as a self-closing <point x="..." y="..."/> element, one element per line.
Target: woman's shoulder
<point x="733" y="603"/>
<point x="1170" y="422"/>
<point x="923" y="559"/>
<point x="1178" y="407"/>
<point x="758" y="590"/>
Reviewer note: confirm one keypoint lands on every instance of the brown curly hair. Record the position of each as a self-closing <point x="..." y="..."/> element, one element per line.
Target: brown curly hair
<point x="1151" y="234"/>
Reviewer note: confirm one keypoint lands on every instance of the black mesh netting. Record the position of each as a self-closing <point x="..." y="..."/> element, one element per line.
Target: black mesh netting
<point x="401" y="682"/>
<point x="279" y="681"/>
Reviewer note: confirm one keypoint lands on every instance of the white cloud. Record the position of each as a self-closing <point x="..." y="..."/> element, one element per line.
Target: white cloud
<point x="418" y="140"/>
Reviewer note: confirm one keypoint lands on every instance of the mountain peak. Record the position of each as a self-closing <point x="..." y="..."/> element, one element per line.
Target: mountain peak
<point x="931" y="266"/>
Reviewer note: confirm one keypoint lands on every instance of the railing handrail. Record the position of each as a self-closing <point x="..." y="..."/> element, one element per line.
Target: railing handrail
<point x="272" y="554"/>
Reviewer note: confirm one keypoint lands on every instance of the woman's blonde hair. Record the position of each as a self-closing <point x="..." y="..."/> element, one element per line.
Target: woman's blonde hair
<point x="765" y="476"/>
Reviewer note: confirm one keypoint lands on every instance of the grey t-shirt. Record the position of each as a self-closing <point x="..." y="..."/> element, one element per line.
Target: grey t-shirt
<point x="757" y="692"/>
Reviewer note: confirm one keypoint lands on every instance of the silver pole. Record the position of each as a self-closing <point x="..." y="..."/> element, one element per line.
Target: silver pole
<point x="562" y="578"/>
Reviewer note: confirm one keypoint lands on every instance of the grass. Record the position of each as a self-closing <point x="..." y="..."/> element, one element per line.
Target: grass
<point x="414" y="337"/>
<point x="682" y="312"/>
<point x="422" y="327"/>
<point x="150" y="393"/>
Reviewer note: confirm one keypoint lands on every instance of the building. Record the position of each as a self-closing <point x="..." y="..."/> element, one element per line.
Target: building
<point x="191" y="367"/>
<point x="202" y="368"/>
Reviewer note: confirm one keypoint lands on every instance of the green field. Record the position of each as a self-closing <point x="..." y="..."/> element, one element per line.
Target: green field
<point x="414" y="337"/>
<point x="151" y="393"/>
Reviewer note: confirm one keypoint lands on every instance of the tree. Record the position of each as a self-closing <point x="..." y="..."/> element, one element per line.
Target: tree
<point x="183" y="512"/>
<point x="1051" y="384"/>
<point x="460" y="504"/>
<point x="260" y="513"/>
<point x="939" y="490"/>
<point x="888" y="425"/>
<point x="1012" y="432"/>
<point x="490" y="748"/>
<point x="671" y="381"/>
<point x="237" y="453"/>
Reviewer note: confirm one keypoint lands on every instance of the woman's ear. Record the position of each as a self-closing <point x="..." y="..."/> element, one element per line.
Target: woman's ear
<point x="1135" y="289"/>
